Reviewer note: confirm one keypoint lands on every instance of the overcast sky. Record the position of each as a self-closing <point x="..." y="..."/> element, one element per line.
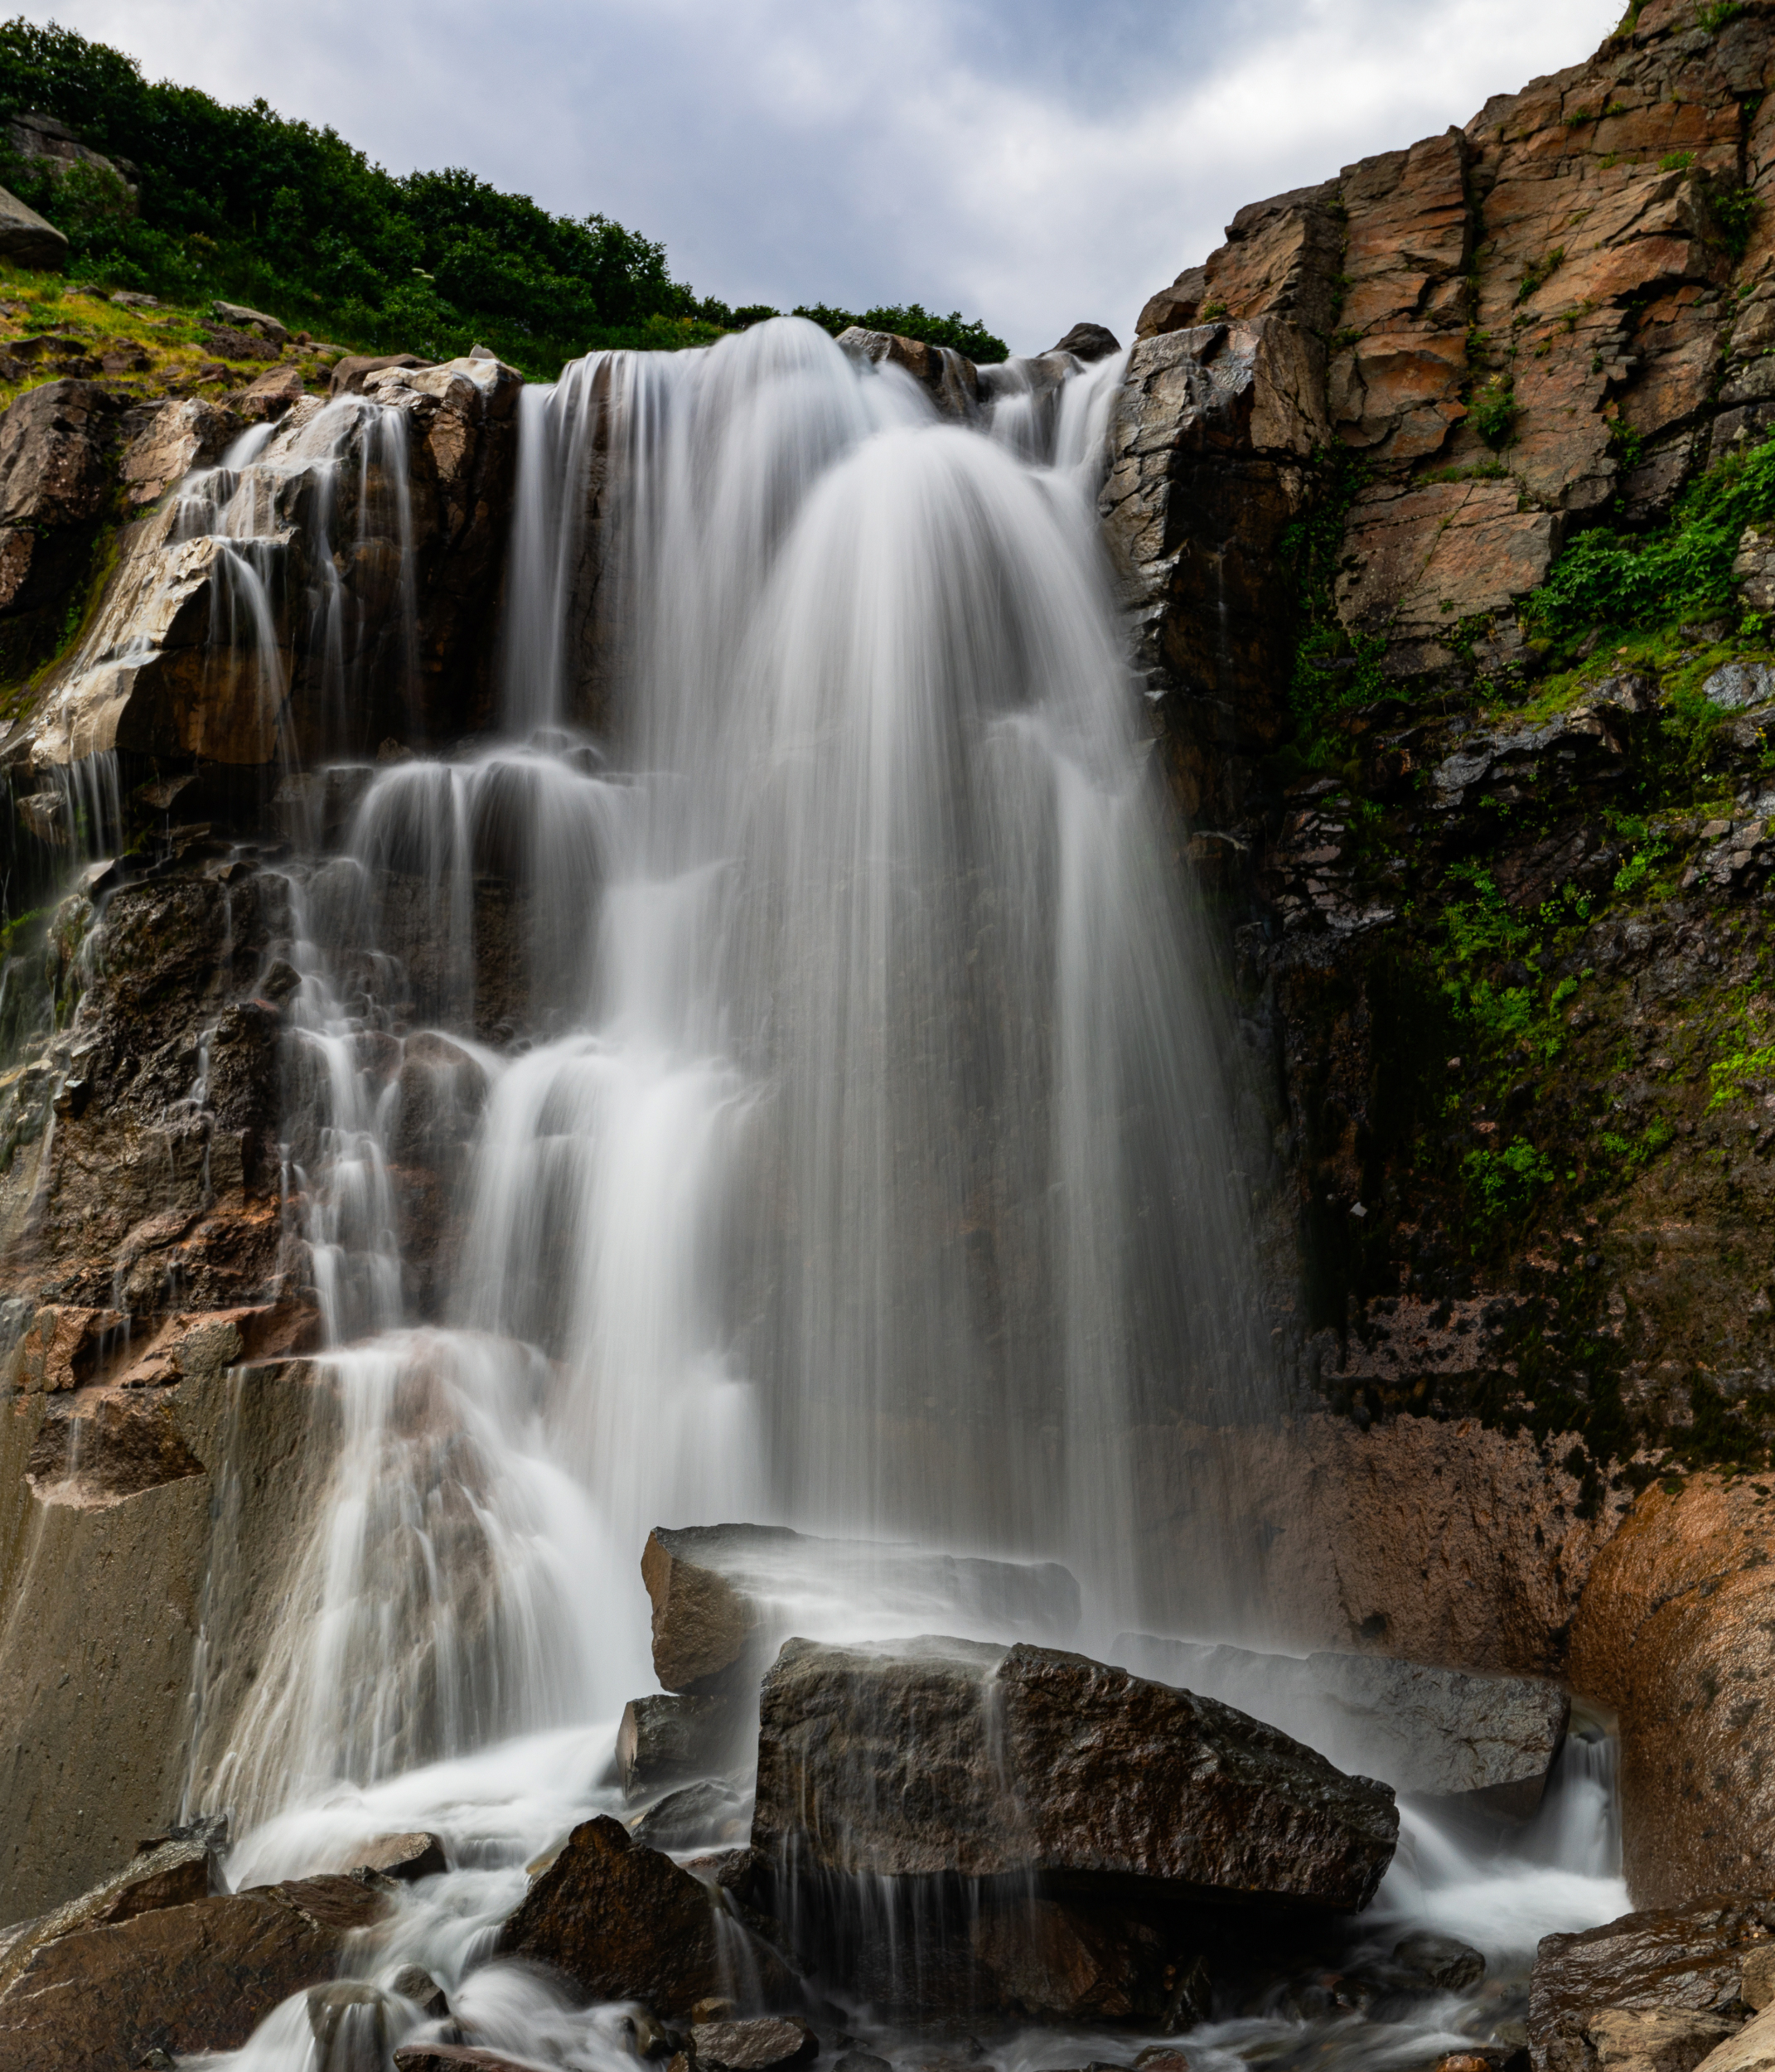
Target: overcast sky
<point x="1029" y="161"/>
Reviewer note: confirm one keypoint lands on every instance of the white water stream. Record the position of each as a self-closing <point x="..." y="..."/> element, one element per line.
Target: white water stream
<point x="850" y="1129"/>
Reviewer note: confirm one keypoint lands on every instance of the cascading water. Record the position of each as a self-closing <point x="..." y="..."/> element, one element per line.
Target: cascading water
<point x="853" y="1148"/>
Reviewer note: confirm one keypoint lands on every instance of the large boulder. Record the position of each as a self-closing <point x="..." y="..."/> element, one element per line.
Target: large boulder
<point x="724" y="1597"/>
<point x="1490" y="1741"/>
<point x="1088" y="342"/>
<point x="622" y="1922"/>
<point x="1667" y="1986"/>
<point x="178" y="1979"/>
<point x="943" y="1759"/>
<point x="27" y="238"/>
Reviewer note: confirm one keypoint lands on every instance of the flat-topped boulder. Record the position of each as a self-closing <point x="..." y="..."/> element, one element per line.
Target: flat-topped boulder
<point x="1490" y="1740"/>
<point x="726" y="1596"/>
<point x="942" y="1758"/>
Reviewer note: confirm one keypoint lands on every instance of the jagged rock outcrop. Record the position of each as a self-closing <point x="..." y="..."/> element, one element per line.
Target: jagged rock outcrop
<point x="1569" y="270"/>
<point x="1209" y="444"/>
<point x="203" y="651"/>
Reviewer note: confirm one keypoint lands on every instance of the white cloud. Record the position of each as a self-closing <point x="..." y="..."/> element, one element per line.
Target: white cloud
<point x="1030" y="163"/>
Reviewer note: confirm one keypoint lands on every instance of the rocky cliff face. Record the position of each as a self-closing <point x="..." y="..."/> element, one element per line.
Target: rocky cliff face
<point x="1495" y="901"/>
<point x="1492" y="874"/>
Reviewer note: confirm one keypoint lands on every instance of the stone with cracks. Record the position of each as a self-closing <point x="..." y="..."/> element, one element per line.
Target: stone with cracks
<point x="950" y="1758"/>
<point x="758" y="2045"/>
<point x="725" y="1596"/>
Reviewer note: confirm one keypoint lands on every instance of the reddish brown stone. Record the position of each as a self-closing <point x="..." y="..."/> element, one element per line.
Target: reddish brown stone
<point x="181" y="1979"/>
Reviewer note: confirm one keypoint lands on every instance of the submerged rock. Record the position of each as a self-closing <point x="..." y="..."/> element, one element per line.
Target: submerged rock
<point x="404" y="1857"/>
<point x="1442" y="1961"/>
<point x="624" y="1923"/>
<point x="725" y="1596"/>
<point x="947" y="1758"/>
<point x="713" y="1814"/>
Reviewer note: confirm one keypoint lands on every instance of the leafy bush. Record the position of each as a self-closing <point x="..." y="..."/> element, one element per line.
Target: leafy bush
<point x="1683" y="569"/>
<point x="241" y="203"/>
<point x="911" y="320"/>
<point x="1504" y="1182"/>
<point x="1494" y="413"/>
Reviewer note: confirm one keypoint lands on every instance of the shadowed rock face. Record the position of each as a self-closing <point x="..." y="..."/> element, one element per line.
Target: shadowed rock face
<point x="1664" y="1986"/>
<point x="624" y="1923"/>
<point x="1490" y="1741"/>
<point x="952" y="1759"/>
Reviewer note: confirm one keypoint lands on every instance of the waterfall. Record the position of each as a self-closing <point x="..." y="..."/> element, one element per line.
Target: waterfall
<point x="853" y="1147"/>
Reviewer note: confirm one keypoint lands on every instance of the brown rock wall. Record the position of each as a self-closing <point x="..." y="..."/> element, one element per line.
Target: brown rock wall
<point x="1675" y="1631"/>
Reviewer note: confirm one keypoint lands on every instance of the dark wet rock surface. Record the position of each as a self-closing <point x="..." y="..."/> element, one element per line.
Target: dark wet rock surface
<point x="1675" y="1963"/>
<point x="182" y="1979"/>
<point x="623" y="1922"/>
<point x="951" y="1758"/>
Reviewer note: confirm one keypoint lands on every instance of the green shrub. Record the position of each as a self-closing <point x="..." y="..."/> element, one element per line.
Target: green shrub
<point x="911" y="320"/>
<point x="1493" y="411"/>
<point x="1504" y="1182"/>
<point x="1682" y="570"/>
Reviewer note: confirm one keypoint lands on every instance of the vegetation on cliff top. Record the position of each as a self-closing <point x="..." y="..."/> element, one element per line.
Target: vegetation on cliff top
<point x="243" y="203"/>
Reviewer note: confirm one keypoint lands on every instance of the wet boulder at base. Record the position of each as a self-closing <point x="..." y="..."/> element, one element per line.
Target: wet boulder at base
<point x="181" y="1979"/>
<point x="1665" y="1985"/>
<point x="949" y="1759"/>
<point x="623" y="1922"/>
